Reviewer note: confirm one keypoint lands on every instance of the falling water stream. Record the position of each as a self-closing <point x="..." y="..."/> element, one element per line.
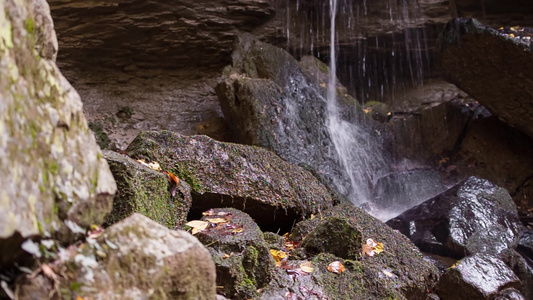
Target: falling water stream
<point x="356" y="150"/>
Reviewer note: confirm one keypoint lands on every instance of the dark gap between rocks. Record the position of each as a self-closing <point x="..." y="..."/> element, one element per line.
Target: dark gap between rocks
<point x="268" y="218"/>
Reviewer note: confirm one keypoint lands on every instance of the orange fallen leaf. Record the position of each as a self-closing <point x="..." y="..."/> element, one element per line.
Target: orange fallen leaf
<point x="336" y="267"/>
<point x="173" y="177"/>
<point x="371" y="248"/>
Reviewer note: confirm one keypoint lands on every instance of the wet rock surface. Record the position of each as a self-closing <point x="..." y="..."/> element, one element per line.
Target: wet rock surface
<point x="280" y="104"/>
<point x="148" y="192"/>
<point x="480" y="276"/>
<point x="491" y="67"/>
<point x="52" y="170"/>
<point x="133" y="259"/>
<point x="366" y="277"/>
<point x="256" y="180"/>
<point x="473" y="216"/>
<point x="240" y="253"/>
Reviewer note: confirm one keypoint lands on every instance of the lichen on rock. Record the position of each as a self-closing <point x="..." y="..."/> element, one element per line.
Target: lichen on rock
<point x="51" y="168"/>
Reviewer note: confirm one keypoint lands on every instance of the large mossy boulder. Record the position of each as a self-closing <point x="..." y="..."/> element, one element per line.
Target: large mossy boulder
<point x="273" y="191"/>
<point x="281" y="104"/>
<point x="51" y="167"/>
<point x="146" y="191"/>
<point x="136" y="258"/>
<point x="239" y="250"/>
<point x="399" y="272"/>
<point x="494" y="68"/>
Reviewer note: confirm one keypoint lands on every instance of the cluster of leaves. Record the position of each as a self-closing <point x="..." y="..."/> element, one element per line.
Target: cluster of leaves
<point x="220" y="221"/>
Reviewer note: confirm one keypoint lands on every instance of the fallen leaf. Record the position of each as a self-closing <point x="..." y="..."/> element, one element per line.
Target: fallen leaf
<point x="389" y="274"/>
<point x="173" y="177"/>
<point x="371" y="248"/>
<point x="197" y="226"/>
<point x="218" y="220"/>
<point x="307" y="267"/>
<point x="336" y="267"/>
<point x="279" y="256"/>
<point x="237" y="230"/>
<point x="154" y="166"/>
<point x="378" y="248"/>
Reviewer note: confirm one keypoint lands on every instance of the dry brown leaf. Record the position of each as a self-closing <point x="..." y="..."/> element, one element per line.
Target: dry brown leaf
<point x="307" y="267"/>
<point x="237" y="230"/>
<point x="336" y="267"/>
<point x="197" y="226"/>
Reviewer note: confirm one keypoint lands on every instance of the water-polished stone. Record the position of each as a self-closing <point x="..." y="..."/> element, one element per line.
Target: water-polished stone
<point x="474" y="216"/>
<point x="480" y="276"/>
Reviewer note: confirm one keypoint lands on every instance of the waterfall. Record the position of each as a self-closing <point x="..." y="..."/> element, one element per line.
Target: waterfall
<point x="357" y="152"/>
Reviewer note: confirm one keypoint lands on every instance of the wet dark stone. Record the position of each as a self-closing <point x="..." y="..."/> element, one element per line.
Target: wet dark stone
<point x="510" y="294"/>
<point x="494" y="68"/>
<point x="474" y="216"/>
<point x="242" y="259"/>
<point x="480" y="276"/>
<point x="522" y="266"/>
<point x="278" y="103"/>
<point x="525" y="244"/>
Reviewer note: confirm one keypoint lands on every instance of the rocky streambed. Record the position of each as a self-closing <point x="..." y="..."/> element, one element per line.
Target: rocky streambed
<point x="258" y="209"/>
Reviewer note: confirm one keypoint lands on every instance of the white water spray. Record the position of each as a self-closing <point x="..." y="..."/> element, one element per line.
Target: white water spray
<point x="355" y="150"/>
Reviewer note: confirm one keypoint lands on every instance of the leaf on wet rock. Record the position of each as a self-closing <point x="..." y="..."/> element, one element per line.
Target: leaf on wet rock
<point x="307" y="267"/>
<point x="278" y="256"/>
<point x="372" y="248"/>
<point x="336" y="267"/>
<point x="197" y="225"/>
<point x="31" y="247"/>
<point x="153" y="165"/>
<point x="218" y="220"/>
<point x="173" y="178"/>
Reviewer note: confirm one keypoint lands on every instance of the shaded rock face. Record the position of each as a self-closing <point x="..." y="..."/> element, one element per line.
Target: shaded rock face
<point x="271" y="190"/>
<point x="280" y="104"/>
<point x="157" y="59"/>
<point x="148" y="192"/>
<point x="141" y="259"/>
<point x="410" y="276"/>
<point x="52" y="169"/>
<point x="240" y="253"/>
<point x="492" y="68"/>
<point x="474" y="216"/>
<point x="480" y="276"/>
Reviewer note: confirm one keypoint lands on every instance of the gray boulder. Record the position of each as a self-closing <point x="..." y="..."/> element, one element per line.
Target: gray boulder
<point x="494" y="68"/>
<point x="240" y="253"/>
<point x="273" y="191"/>
<point x="136" y="258"/>
<point x="480" y="276"/>
<point x="278" y="103"/>
<point x="52" y="169"/>
<point x="146" y="191"/>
